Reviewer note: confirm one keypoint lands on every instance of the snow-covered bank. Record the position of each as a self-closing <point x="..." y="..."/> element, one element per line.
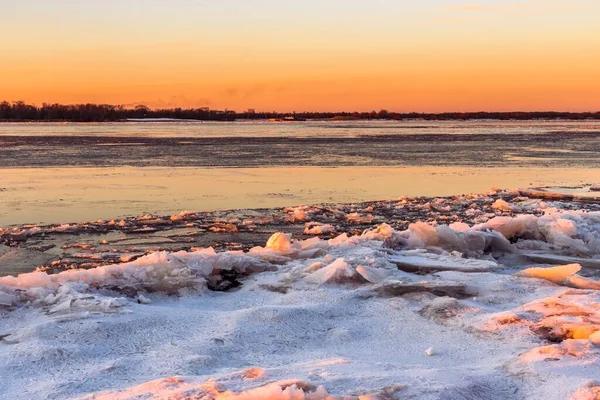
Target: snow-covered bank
<point x="432" y="311"/>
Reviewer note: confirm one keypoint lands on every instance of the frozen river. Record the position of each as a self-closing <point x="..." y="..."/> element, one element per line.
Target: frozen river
<point x="58" y="172"/>
<point x="445" y="289"/>
<point x="260" y="144"/>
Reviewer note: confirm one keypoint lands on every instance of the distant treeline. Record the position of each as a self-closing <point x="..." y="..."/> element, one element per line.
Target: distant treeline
<point x="20" y="111"/>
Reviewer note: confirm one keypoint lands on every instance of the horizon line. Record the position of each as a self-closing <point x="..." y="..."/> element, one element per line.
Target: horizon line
<point x="133" y="106"/>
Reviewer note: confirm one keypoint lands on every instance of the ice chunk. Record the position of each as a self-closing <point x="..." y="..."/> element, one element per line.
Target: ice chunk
<point x="143" y="299"/>
<point x="314" y="267"/>
<point x="576" y="348"/>
<point x="398" y="288"/>
<point x="431" y="262"/>
<point x="373" y="275"/>
<point x="546" y="258"/>
<point x="580" y="282"/>
<point x="383" y="232"/>
<point x="61" y="307"/>
<point x="501" y="205"/>
<point x="338" y="271"/>
<point x="7" y="299"/>
<point x="459" y="226"/>
<point x="299" y="213"/>
<point x="316" y="228"/>
<point x="160" y="271"/>
<point x="562" y="275"/>
<point x="511" y="227"/>
<point x="554" y="274"/>
<point x="280" y="242"/>
<point x="573" y="232"/>
<point x="360" y="219"/>
<point x="280" y="248"/>
<point x="422" y="235"/>
<point x="464" y="239"/>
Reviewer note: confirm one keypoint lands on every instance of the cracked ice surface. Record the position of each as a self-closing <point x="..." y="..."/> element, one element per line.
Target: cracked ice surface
<point x="434" y="310"/>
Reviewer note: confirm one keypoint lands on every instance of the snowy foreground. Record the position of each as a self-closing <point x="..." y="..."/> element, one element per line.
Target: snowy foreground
<point x="504" y="309"/>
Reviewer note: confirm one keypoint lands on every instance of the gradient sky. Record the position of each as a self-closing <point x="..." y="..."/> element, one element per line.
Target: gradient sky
<point x="425" y="55"/>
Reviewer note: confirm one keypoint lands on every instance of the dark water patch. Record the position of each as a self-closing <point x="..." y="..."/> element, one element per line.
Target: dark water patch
<point x="482" y="150"/>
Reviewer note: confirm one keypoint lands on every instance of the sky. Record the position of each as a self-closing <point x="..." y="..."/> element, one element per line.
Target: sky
<point x="310" y="55"/>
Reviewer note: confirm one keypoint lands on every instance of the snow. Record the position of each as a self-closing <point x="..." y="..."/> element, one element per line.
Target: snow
<point x="589" y="392"/>
<point x="432" y="311"/>
<point x="575" y="348"/>
<point x="171" y="388"/>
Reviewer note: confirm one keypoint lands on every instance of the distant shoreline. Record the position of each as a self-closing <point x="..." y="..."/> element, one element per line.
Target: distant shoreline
<point x="22" y="112"/>
<point x="269" y="120"/>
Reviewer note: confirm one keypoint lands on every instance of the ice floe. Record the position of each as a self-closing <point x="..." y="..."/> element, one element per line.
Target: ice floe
<point x="501" y="303"/>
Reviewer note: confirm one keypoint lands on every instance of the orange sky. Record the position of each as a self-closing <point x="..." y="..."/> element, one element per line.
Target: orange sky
<point x="438" y="55"/>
